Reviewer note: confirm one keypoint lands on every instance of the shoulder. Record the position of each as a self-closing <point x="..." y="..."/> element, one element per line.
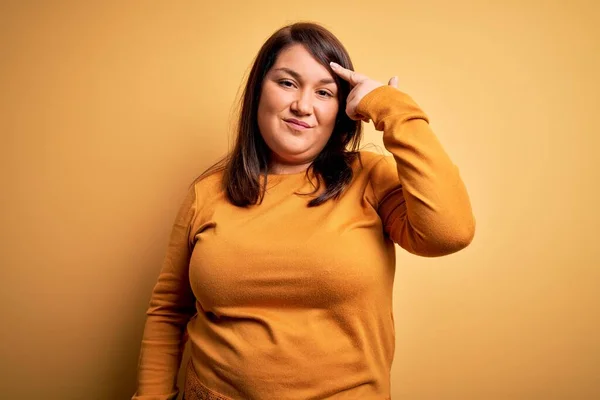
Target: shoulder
<point x="369" y="162"/>
<point x="379" y="175"/>
<point x="208" y="185"/>
<point x="204" y="193"/>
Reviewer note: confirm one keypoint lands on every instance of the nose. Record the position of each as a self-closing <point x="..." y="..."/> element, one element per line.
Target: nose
<point x="302" y="105"/>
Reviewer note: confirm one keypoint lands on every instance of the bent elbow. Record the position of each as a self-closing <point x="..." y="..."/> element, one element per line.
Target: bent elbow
<point x="443" y="242"/>
<point x="461" y="238"/>
<point x="467" y="234"/>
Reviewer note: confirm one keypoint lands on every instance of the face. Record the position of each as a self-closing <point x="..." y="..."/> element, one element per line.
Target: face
<point x="297" y="109"/>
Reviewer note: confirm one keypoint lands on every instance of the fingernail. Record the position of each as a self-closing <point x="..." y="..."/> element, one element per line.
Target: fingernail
<point x="334" y="65"/>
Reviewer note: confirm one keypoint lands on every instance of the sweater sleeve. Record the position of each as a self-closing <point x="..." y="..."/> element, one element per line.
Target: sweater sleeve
<point x="422" y="201"/>
<point x="171" y="306"/>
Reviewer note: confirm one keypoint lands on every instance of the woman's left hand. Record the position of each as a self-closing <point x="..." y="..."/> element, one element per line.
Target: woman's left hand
<point x="361" y="85"/>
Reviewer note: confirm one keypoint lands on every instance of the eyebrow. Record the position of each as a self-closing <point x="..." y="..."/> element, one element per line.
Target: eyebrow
<point x="298" y="77"/>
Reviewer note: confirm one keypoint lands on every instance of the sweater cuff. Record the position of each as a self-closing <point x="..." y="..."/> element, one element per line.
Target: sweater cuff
<point x="385" y="101"/>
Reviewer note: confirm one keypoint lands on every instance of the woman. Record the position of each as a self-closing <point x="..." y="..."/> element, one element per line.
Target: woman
<point x="281" y="260"/>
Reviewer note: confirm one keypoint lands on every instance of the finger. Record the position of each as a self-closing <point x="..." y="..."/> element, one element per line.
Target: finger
<point x="356" y="117"/>
<point x="351" y="96"/>
<point x="354" y="78"/>
<point x="351" y="111"/>
<point x="393" y="82"/>
<point x="351" y="104"/>
<point x="357" y="92"/>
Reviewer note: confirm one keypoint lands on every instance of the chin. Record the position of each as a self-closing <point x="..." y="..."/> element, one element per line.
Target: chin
<point x="294" y="156"/>
<point x="291" y="159"/>
<point x="293" y="150"/>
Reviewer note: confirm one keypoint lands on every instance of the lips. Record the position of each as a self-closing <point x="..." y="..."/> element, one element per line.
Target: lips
<point x="297" y="124"/>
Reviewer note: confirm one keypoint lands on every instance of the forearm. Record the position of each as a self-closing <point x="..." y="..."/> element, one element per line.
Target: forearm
<point x="159" y="361"/>
<point x="170" y="309"/>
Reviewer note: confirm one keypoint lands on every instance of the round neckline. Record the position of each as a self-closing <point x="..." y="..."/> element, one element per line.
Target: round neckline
<point x="301" y="173"/>
<point x="284" y="175"/>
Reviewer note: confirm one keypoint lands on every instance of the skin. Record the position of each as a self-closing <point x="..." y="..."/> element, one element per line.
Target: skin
<point x="299" y="87"/>
<point x="361" y="86"/>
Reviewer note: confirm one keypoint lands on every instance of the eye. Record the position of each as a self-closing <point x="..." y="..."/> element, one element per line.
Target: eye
<point x="286" y="83"/>
<point x="324" y="93"/>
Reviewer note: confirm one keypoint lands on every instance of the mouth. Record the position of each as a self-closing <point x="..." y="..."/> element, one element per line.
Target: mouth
<point x="297" y="125"/>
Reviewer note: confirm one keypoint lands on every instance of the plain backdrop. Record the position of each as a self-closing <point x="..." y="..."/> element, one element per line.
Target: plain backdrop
<point x="108" y="111"/>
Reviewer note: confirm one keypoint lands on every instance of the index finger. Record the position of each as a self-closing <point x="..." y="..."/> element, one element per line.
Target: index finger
<point x="346" y="74"/>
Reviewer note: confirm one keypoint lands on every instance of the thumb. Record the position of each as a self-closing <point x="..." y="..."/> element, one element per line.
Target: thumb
<point x="393" y="82"/>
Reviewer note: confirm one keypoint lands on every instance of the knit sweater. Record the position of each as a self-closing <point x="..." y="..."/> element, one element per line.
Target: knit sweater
<point x="285" y="301"/>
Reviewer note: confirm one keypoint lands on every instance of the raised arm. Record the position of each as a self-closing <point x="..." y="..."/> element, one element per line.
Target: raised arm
<point x="423" y="202"/>
<point x="422" y="199"/>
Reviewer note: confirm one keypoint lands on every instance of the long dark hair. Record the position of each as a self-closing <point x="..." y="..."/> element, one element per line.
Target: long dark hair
<point x="249" y="159"/>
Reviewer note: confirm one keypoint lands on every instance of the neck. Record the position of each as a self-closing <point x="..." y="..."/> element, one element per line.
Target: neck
<point x="286" y="169"/>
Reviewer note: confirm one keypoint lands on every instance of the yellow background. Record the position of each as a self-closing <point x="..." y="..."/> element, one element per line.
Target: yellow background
<point x="108" y="111"/>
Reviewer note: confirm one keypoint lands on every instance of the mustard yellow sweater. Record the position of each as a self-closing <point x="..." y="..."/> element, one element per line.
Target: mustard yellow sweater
<point x="282" y="301"/>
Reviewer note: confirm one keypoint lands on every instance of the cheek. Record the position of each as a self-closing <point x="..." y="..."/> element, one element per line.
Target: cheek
<point x="328" y="115"/>
<point x="273" y="101"/>
<point x="267" y="111"/>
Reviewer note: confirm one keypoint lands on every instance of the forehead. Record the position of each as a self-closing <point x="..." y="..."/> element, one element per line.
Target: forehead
<point x="297" y="58"/>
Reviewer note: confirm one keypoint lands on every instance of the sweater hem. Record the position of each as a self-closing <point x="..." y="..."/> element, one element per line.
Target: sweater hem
<point x="196" y="390"/>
